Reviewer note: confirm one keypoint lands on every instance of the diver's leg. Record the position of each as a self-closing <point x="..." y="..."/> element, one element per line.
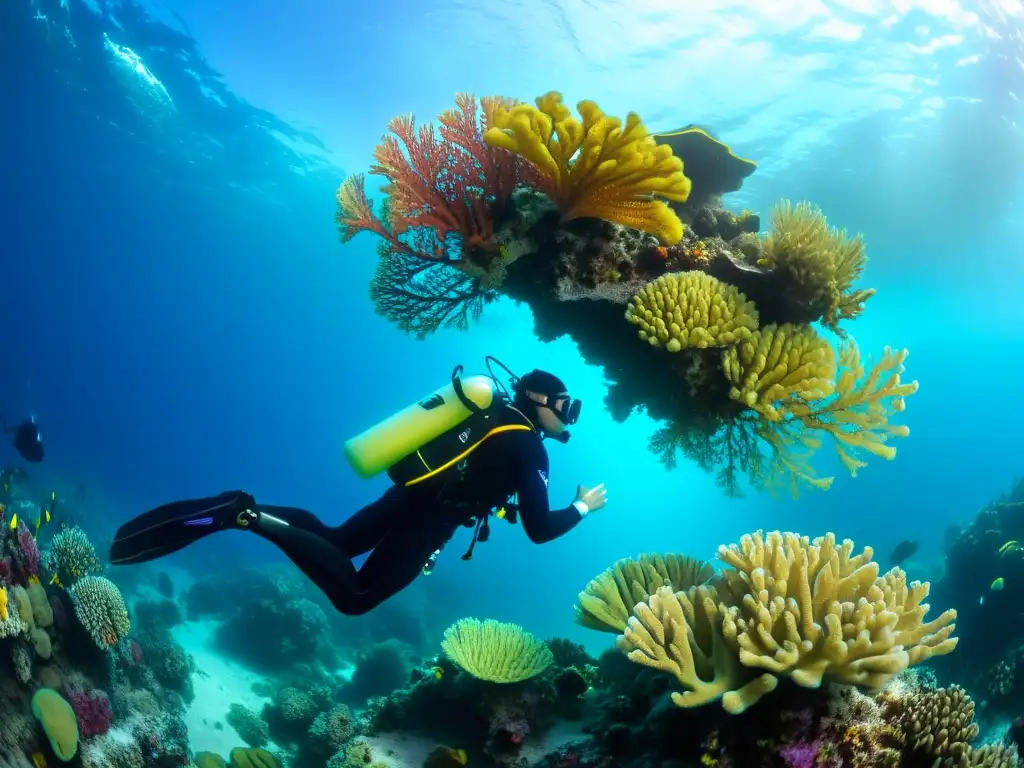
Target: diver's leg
<point x="359" y="533"/>
<point x="396" y="560"/>
<point x="172" y="526"/>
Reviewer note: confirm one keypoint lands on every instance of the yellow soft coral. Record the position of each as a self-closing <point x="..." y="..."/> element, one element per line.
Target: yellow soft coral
<point x="609" y="598"/>
<point x="598" y="168"/>
<point x="856" y="415"/>
<point x="823" y="261"/>
<point x="681" y="633"/>
<point x="811" y="610"/>
<point x="778" y="364"/>
<point x="684" y="310"/>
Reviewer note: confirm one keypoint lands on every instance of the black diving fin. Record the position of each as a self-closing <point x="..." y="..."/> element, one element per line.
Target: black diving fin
<point x="173" y="526"/>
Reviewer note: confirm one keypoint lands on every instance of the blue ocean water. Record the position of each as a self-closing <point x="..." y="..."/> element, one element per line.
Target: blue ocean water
<point x="182" y="320"/>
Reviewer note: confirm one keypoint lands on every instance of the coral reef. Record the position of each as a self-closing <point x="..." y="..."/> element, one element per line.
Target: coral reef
<point x="696" y="318"/>
<point x="495" y="651"/>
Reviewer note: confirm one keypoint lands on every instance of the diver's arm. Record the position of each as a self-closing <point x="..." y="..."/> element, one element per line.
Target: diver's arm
<point x="541" y="523"/>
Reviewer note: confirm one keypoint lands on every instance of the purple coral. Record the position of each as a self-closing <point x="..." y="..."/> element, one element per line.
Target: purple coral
<point x="801" y="754"/>
<point x="92" y="710"/>
<point x="28" y="553"/>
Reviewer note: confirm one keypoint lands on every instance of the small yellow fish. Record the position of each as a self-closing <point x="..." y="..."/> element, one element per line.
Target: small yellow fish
<point x="460" y="756"/>
<point x="14" y="521"/>
<point x="500" y="514"/>
<point x="33" y="579"/>
<point x="1010" y="546"/>
<point x="997" y="585"/>
<point x="438" y="672"/>
<point x="56" y="580"/>
<point x="39" y="760"/>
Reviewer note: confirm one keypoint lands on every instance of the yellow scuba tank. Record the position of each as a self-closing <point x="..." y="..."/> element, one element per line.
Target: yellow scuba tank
<point x="403" y="434"/>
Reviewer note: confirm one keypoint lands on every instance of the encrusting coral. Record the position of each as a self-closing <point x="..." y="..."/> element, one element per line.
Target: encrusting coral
<point x="786" y="606"/>
<point x="596" y="168"/>
<point x="495" y="651"/>
<point x="691" y="310"/>
<point x="607" y="601"/>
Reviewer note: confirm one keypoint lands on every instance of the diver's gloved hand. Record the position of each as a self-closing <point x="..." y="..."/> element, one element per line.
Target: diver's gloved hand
<point x="590" y="499"/>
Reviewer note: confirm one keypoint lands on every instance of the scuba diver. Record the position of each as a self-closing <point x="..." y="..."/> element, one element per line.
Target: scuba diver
<point x="468" y="451"/>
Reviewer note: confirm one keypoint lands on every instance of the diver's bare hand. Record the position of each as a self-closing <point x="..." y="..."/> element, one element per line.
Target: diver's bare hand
<point x="594" y="498"/>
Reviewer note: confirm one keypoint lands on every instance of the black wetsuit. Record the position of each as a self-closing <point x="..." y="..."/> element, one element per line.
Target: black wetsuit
<point x="400" y="531"/>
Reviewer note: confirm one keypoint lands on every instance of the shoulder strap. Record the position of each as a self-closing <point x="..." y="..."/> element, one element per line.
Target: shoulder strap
<point x="469" y="449"/>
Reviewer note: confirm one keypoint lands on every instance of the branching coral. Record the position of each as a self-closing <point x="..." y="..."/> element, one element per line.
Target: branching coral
<point x="421" y="297"/>
<point x="72" y="556"/>
<point x="495" y="651"/>
<point x="685" y="310"/>
<point x="786" y="606"/>
<point x="821" y="260"/>
<point x="608" y="600"/>
<point x="681" y="633"/>
<point x="596" y="168"/>
<point x="811" y="610"/>
<point x="855" y="415"/>
<point x="442" y="184"/>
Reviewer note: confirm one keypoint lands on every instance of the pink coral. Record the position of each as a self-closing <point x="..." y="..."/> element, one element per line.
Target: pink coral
<point x="92" y="710"/>
<point x="802" y="754"/>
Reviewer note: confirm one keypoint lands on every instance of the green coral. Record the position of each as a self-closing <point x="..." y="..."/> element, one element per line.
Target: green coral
<point x="495" y="651"/>
<point x="72" y="556"/>
<point x="241" y="757"/>
<point x="59" y="722"/>
<point x="209" y="760"/>
<point x="100" y="609"/>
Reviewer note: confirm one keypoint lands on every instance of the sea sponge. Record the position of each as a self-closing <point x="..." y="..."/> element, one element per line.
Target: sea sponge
<point x="683" y="310"/>
<point x="940" y="723"/>
<point x="42" y="612"/>
<point x="607" y="601"/>
<point x="821" y="260"/>
<point x="25" y="613"/>
<point x="811" y="610"/>
<point x="495" y="651"/>
<point x="59" y="722"/>
<point x="72" y="556"/>
<point x="100" y="608"/>
<point x="41" y="643"/>
<point x="242" y="757"/>
<point x="596" y="168"/>
<point x="681" y="633"/>
<point x="778" y="364"/>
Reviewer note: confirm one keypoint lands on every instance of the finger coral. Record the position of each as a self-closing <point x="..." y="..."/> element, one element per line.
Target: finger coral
<point x="778" y="364"/>
<point x="608" y="600"/>
<point x="681" y="634"/>
<point x="811" y="610"/>
<point x="687" y="310"/>
<point x="940" y="723"/>
<point x="495" y="651"/>
<point x="855" y="415"/>
<point x="595" y="168"/>
<point x="822" y="261"/>
<point x="786" y="606"/>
